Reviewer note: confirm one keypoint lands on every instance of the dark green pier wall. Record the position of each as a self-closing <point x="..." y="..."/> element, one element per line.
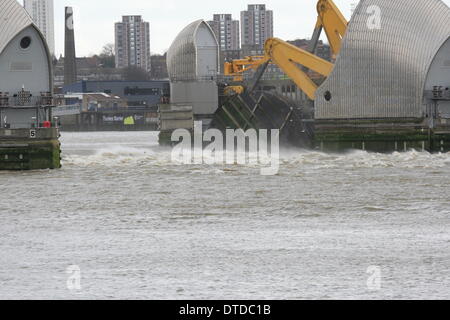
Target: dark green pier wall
<point x="19" y="151"/>
<point x="380" y="136"/>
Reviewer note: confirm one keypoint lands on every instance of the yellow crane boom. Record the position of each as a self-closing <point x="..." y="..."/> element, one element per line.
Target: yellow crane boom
<point x="295" y="61"/>
<point x="237" y="67"/>
<point x="289" y="57"/>
<point x="333" y="21"/>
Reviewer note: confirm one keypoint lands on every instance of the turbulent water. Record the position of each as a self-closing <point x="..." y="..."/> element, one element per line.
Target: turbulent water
<point x="139" y="226"/>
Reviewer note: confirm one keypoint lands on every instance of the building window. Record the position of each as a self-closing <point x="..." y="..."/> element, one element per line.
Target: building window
<point x="25" y="43"/>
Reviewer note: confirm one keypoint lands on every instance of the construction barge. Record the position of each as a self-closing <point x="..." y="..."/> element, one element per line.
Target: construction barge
<point x="386" y="88"/>
<point x="29" y="134"/>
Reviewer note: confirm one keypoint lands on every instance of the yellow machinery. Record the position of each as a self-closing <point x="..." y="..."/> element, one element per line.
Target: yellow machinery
<point x="333" y="21"/>
<point x="236" y="68"/>
<point x="292" y="60"/>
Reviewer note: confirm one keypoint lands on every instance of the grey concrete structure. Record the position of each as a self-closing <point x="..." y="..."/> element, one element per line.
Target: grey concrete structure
<point x="385" y="71"/>
<point x="203" y="96"/>
<point x="193" y="66"/>
<point x="70" y="65"/>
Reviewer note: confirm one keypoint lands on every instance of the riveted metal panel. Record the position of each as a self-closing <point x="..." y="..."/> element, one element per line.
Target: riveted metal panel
<point x="184" y="55"/>
<point x="13" y="19"/>
<point x="193" y="65"/>
<point x="181" y="59"/>
<point x="381" y="72"/>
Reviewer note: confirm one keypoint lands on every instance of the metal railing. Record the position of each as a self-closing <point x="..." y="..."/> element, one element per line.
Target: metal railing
<point x="25" y="99"/>
<point x="188" y="78"/>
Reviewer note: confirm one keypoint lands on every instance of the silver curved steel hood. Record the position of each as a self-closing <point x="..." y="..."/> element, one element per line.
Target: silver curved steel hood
<point x="381" y="72"/>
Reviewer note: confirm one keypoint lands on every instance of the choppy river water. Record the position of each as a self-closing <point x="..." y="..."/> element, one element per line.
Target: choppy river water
<point x="356" y="225"/>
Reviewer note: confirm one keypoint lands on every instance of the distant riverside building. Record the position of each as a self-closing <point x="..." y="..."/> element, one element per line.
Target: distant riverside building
<point x="323" y="50"/>
<point x="144" y="94"/>
<point x="227" y="33"/>
<point x="88" y="68"/>
<point x="42" y="13"/>
<point x="92" y="102"/>
<point x="132" y="43"/>
<point x="229" y="55"/>
<point x="257" y="27"/>
<point x="159" y="67"/>
<point x="226" y="30"/>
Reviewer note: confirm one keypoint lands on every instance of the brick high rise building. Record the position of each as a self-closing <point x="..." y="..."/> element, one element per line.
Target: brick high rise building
<point x="133" y="43"/>
<point x="257" y="27"/>
<point x="159" y="66"/>
<point x="227" y="31"/>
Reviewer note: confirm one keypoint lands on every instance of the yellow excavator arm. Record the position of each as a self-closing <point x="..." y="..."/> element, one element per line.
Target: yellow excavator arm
<point x="295" y="61"/>
<point x="289" y="57"/>
<point x="237" y="67"/>
<point x="333" y="22"/>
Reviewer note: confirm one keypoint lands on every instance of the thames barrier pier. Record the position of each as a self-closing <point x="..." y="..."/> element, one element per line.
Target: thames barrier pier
<point x="385" y="89"/>
<point x="28" y="131"/>
<point x="389" y="89"/>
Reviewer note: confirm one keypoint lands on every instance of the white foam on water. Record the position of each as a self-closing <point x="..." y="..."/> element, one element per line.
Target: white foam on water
<point x="122" y="155"/>
<point x="118" y="155"/>
<point x="131" y="149"/>
<point x="363" y="159"/>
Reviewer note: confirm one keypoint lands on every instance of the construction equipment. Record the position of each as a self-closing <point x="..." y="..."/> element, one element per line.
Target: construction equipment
<point x="333" y="21"/>
<point x="294" y="61"/>
<point x="238" y="67"/>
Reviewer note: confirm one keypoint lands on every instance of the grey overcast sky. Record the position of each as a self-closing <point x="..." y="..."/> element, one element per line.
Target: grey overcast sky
<point x="94" y="19"/>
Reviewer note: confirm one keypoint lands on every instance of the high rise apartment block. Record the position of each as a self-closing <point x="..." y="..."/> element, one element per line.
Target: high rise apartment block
<point x="132" y="43"/>
<point x="257" y="26"/>
<point x="227" y="31"/>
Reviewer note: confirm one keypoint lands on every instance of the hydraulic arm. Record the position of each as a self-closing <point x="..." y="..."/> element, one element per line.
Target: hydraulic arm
<point x="333" y="22"/>
<point x="289" y="58"/>
<point x="296" y="62"/>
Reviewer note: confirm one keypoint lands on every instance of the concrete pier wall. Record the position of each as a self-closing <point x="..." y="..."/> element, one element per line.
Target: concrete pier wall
<point x="29" y="149"/>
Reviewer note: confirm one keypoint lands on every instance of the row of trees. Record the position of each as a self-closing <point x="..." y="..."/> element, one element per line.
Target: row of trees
<point x="132" y="73"/>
